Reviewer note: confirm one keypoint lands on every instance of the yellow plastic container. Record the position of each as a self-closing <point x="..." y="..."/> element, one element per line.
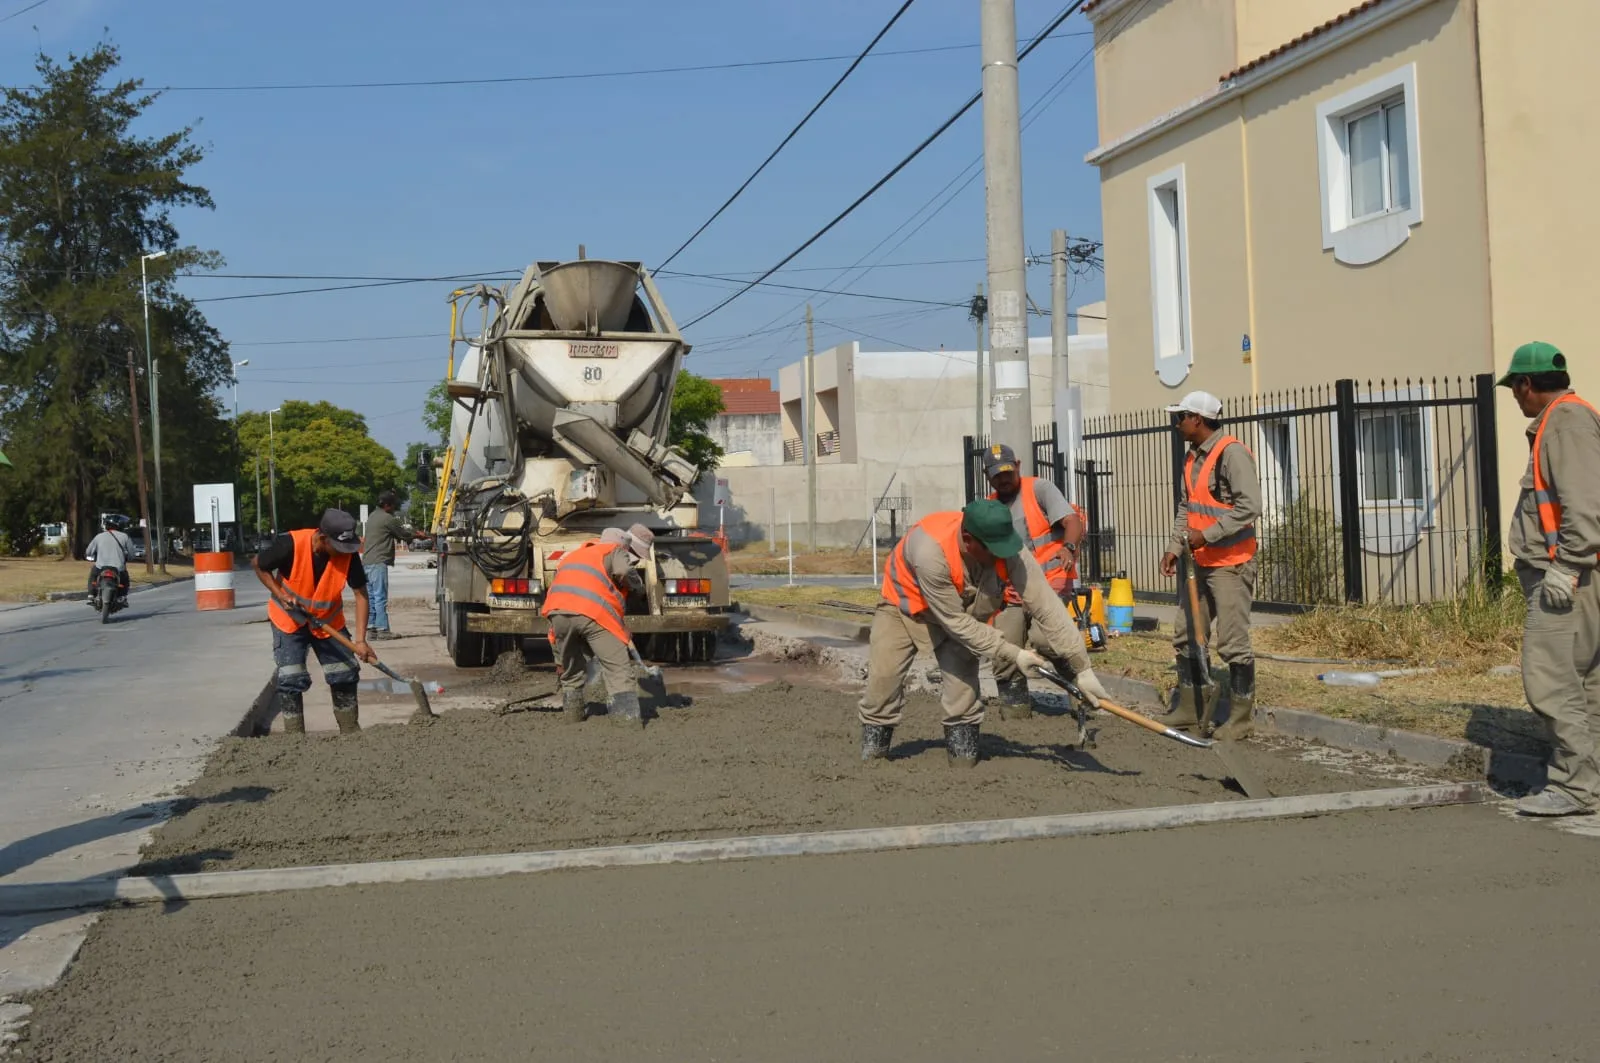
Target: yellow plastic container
<point x="1119" y="605"/>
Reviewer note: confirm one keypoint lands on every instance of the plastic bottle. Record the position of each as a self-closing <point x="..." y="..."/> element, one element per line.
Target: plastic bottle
<point x="394" y="686"/>
<point x="1350" y="679"/>
<point x="1119" y="605"/>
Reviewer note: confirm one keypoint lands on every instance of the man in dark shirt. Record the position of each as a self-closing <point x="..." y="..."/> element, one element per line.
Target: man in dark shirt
<point x="384" y="529"/>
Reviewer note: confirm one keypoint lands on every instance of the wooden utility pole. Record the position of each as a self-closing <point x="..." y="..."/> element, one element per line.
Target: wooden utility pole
<point x="138" y="459"/>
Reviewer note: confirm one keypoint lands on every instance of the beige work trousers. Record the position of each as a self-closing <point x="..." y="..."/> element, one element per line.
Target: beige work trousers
<point x="578" y="639"/>
<point x="895" y="642"/>
<point x="1226" y="593"/>
<point x="1561" y="677"/>
<point x="1023" y="633"/>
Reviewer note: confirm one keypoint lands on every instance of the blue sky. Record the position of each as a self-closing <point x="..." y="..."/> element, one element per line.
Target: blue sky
<point x="433" y="181"/>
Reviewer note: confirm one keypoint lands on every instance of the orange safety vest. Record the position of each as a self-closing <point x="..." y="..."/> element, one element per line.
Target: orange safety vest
<point x="1205" y="509"/>
<point x="900" y="586"/>
<point x="1549" y="508"/>
<point x="1048" y="541"/>
<point x="582" y="587"/>
<point x="322" y="599"/>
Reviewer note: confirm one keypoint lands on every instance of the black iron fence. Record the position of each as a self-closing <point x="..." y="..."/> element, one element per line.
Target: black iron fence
<point x="1377" y="491"/>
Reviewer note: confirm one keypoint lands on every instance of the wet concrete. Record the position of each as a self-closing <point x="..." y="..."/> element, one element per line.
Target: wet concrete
<point x="1438" y="935"/>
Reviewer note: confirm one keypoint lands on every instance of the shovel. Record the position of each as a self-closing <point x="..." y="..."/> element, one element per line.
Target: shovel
<point x="419" y="693"/>
<point x="1238" y="770"/>
<point x="652" y="684"/>
<point x="1127" y="714"/>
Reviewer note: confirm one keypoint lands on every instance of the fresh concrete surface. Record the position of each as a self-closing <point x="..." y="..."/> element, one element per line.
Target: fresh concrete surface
<point x="99" y="725"/>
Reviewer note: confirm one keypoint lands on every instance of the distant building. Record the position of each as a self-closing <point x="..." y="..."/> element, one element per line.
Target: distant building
<point x="749" y="429"/>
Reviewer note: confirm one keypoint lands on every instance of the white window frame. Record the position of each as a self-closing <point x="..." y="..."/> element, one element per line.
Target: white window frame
<point x="1278" y="466"/>
<point x="1360" y="241"/>
<point x="1169" y="295"/>
<point x="1393" y="527"/>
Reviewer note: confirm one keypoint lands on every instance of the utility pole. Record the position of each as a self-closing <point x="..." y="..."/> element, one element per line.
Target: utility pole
<point x="272" y="468"/>
<point x="1059" y="380"/>
<point x="138" y="459"/>
<point x="1012" y="410"/>
<point x="978" y="312"/>
<point x="258" y="492"/>
<point x="811" y="435"/>
<point x="160" y="543"/>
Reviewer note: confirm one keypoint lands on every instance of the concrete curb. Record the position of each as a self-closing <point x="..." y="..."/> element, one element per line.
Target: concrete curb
<point x="53" y="896"/>
<point x="259" y="715"/>
<point x="1455" y="755"/>
<point x="827" y="625"/>
<point x="67" y="596"/>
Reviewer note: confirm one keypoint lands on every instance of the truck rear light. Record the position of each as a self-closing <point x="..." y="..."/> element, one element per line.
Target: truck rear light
<point x="688" y="586"/>
<point x="514" y="586"/>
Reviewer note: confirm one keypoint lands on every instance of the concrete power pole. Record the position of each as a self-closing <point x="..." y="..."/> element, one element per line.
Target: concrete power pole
<point x="138" y="458"/>
<point x="1059" y="380"/>
<point x="1011" y="414"/>
<point x="811" y="436"/>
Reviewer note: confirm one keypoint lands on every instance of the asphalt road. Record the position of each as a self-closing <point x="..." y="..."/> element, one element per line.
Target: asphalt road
<point x="97" y="724"/>
<point x="1437" y="935"/>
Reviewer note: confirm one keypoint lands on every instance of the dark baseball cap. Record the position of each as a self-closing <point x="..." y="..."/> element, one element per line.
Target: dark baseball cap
<point x="340" y="529"/>
<point x="989" y="522"/>
<point x="999" y="458"/>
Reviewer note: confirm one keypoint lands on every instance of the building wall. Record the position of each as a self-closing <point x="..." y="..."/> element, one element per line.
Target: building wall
<point x="749" y="438"/>
<point x="1190" y="42"/>
<point x="1541" y="138"/>
<point x="1264" y="25"/>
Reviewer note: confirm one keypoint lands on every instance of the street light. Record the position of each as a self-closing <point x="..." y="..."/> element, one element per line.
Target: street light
<point x="272" y="468"/>
<point x="160" y="543"/>
<point x="237" y="366"/>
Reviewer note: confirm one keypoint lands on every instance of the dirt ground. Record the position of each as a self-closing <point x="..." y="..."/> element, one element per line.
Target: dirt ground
<point x="1435" y="935"/>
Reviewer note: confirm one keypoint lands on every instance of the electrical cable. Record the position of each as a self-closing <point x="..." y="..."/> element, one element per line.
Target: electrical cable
<point x="826" y="96"/>
<point x="24" y="10"/>
<point x="1070" y="10"/>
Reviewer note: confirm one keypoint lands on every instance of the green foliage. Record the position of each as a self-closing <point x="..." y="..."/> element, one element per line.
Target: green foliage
<point x="423" y="499"/>
<point x="695" y="402"/>
<point x="82" y="197"/>
<point x="325" y="459"/>
<point x="436" y="412"/>
<point x="1301" y="556"/>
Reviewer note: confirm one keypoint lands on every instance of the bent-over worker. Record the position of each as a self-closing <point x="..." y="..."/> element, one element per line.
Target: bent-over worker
<point x="306" y="572"/>
<point x="1554" y="544"/>
<point x="941" y="583"/>
<point x="1052" y="528"/>
<point x="586" y="606"/>
<point x="1216" y="522"/>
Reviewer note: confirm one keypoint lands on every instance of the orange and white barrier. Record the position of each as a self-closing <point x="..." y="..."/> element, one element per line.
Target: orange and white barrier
<point x="213" y="581"/>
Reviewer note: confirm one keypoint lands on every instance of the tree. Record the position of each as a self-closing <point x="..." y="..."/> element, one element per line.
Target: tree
<point x="82" y="197"/>
<point x="694" y="403"/>
<point x="436" y="413"/>
<point x="325" y="459"/>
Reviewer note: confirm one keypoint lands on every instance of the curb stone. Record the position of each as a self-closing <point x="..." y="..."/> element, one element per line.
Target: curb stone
<point x="845" y="629"/>
<point x="67" y="596"/>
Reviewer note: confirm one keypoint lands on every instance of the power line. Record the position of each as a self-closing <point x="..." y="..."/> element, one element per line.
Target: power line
<point x="344" y="287"/>
<point x="582" y="75"/>
<point x="826" y="96"/>
<point x="24" y="10"/>
<point x="337" y="339"/>
<point x="1070" y="10"/>
<point x="814" y="291"/>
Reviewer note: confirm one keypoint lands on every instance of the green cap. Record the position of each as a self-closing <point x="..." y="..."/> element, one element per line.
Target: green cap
<point x="1535" y="357"/>
<point x="989" y="522"/>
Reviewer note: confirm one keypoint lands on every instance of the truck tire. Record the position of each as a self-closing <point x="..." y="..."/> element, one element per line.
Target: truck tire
<point x="679" y="647"/>
<point x="467" y="649"/>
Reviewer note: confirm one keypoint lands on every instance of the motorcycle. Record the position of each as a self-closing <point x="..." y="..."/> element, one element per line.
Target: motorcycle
<point x="108" y="597"/>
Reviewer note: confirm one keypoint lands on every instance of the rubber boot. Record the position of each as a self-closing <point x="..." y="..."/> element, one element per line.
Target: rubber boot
<point x="291" y="706"/>
<point x="961" y="744"/>
<point x="1241" y="713"/>
<point x="1185" y="715"/>
<point x="346" y="710"/>
<point x="1015" y="702"/>
<point x="1216" y="696"/>
<point x="624" y="709"/>
<point x="572" y="704"/>
<point x="875" y="742"/>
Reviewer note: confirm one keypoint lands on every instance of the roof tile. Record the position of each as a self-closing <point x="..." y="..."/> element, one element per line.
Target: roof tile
<point x="1317" y="31"/>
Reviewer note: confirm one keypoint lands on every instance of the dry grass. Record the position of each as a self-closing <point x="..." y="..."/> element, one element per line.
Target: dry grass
<point x="1479" y="629"/>
<point x="810" y="599"/>
<point x="30" y="579"/>
<point x="756" y="560"/>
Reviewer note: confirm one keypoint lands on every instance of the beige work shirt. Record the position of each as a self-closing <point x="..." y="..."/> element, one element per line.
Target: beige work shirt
<point x="1570" y="462"/>
<point x="1234" y="481"/>
<point x="964" y="614"/>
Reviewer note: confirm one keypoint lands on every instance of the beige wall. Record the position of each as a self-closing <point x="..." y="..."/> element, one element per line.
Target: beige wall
<point x="1190" y="42"/>
<point x="1264" y="25"/>
<point x="1542" y="142"/>
<point x="1419" y="311"/>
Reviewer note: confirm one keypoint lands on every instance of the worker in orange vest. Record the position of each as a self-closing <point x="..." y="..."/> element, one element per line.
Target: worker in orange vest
<point x="1216" y="522"/>
<point x="586" y="605"/>
<point x="306" y="572"/>
<point x="1052" y="528"/>
<point x="1554" y="545"/>
<point x="941" y="585"/>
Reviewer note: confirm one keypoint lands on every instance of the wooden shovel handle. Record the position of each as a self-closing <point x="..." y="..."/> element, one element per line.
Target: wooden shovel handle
<point x="1197" y="626"/>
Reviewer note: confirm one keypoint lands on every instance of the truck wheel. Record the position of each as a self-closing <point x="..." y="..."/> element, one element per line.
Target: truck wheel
<point x="467" y="649"/>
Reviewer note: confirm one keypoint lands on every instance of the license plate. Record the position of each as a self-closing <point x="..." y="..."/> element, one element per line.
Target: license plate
<point x="688" y="601"/>
<point x="499" y="602"/>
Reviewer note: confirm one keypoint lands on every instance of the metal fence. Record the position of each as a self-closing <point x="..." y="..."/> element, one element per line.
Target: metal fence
<point x="1376" y="491"/>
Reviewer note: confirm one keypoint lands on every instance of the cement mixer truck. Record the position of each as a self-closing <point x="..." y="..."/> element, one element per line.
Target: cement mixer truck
<point x="559" y="430"/>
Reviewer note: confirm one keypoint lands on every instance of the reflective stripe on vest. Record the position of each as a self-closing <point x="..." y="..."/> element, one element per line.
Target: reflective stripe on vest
<point x="1549" y="508"/>
<point x="900" y="587"/>
<point x="1205" y="509"/>
<point x="582" y="587"/>
<point x="322" y="599"/>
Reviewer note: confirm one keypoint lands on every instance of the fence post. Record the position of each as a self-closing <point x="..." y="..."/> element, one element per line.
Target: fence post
<point x="969" y="448"/>
<point x="1488" y="480"/>
<point x="1344" y="392"/>
<point x="1177" y="464"/>
<point x="1091" y="510"/>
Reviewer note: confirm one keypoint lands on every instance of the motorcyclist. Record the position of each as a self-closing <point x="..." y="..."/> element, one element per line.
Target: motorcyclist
<point x="109" y="549"/>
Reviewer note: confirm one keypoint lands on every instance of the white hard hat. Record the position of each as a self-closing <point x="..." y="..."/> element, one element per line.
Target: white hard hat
<point x="1203" y="403"/>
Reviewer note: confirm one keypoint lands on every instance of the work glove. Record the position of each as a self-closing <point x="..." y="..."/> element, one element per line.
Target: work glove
<point x="1090" y="684"/>
<point x="1030" y="662"/>
<point x="1558" y="586"/>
